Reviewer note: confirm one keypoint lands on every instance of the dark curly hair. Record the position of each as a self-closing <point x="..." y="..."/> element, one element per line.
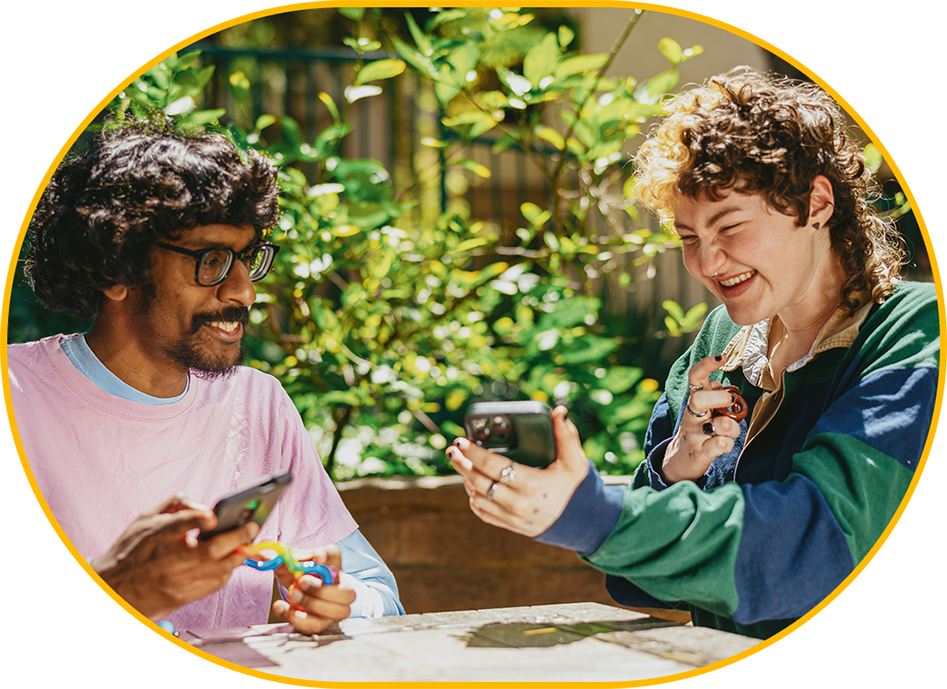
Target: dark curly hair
<point x="772" y="135"/>
<point x="107" y="206"/>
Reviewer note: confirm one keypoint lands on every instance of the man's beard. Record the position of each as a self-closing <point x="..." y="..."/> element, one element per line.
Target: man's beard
<point x="188" y="353"/>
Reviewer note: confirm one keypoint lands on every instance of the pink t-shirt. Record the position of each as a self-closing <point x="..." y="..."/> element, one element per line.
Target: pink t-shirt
<point x="100" y="461"/>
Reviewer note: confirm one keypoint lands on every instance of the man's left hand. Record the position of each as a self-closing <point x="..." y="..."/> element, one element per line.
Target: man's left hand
<point x="322" y="605"/>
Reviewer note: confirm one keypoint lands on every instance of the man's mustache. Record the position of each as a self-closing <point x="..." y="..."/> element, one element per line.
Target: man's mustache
<point x="231" y="314"/>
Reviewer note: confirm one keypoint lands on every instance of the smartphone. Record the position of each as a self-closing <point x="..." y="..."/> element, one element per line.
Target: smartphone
<point x="249" y="504"/>
<point x="521" y="430"/>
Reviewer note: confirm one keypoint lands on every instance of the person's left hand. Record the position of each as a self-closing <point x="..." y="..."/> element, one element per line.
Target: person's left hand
<point x="322" y="605"/>
<point x="535" y="498"/>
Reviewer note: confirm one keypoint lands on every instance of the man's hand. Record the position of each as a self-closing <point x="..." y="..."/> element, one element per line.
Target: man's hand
<point x="322" y="605"/>
<point x="157" y="565"/>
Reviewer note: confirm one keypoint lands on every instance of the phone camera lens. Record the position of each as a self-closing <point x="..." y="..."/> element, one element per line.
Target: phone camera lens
<point x="501" y="426"/>
<point x="481" y="431"/>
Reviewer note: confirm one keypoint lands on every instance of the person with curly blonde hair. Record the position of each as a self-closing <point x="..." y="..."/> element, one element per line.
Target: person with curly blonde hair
<point x="789" y="432"/>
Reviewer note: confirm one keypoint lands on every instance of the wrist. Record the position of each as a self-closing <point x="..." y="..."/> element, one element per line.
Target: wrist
<point x="673" y="472"/>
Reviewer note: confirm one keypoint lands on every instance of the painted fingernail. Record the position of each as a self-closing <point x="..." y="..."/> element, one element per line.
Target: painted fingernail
<point x="719" y="357"/>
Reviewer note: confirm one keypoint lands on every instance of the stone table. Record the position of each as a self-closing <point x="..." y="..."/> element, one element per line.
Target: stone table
<point x="575" y="642"/>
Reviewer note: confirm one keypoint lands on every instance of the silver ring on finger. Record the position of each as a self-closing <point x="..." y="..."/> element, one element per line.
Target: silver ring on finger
<point x="507" y="474"/>
<point x="708" y="429"/>
<point x="693" y="413"/>
<point x="695" y="388"/>
<point x="492" y="490"/>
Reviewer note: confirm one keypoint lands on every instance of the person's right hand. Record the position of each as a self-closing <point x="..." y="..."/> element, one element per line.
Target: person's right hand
<point x="157" y="565"/>
<point x="701" y="437"/>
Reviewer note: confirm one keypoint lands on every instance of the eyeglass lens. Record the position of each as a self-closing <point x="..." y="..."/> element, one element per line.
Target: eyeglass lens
<point x="216" y="263"/>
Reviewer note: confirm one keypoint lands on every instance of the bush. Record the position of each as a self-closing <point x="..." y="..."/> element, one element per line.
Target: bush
<point x="386" y="316"/>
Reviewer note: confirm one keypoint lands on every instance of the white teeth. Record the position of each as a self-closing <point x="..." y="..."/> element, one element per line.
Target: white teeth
<point x="737" y="280"/>
<point x="227" y="327"/>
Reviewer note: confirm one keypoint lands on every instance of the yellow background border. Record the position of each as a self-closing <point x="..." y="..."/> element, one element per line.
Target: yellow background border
<point x="62" y="625"/>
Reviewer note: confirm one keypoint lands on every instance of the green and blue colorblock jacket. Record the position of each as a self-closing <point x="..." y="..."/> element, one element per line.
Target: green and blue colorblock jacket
<point x="823" y="462"/>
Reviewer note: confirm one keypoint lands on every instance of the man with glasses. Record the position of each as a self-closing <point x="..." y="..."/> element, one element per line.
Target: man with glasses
<point x="159" y="237"/>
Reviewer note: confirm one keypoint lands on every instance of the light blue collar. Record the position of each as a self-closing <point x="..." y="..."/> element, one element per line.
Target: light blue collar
<point x="84" y="359"/>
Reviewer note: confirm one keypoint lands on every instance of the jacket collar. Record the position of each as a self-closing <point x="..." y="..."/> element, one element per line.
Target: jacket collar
<point x="749" y="347"/>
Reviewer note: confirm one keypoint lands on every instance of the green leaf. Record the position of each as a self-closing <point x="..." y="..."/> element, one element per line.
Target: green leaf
<point x="203" y="117"/>
<point x="693" y="51"/>
<point x="580" y="64"/>
<point x="565" y="36"/>
<point x="692" y="319"/>
<point x="161" y="75"/>
<point x="239" y="86"/>
<point x="176" y="62"/>
<point x="502" y="144"/>
<point x="446" y="91"/>
<point x="467" y="117"/>
<point x="671" y="50"/>
<point x="588" y="348"/>
<point x="569" y="313"/>
<point x="541" y="60"/>
<point x="382" y="69"/>
<point x="445" y="16"/>
<point x="475" y="167"/>
<point x="190" y="82"/>
<point x="421" y="63"/>
<point x="420" y="39"/>
<point x="873" y="158"/>
<point x="536" y="216"/>
<point x="674" y="309"/>
<point x="657" y="86"/>
<point x="330" y="104"/>
<point x="353" y="13"/>
<point x="471" y="244"/>
<point x="552" y="136"/>
<point x="264" y="121"/>
<point x="620" y="378"/>
<point x="382" y="267"/>
<point x="463" y="60"/>
<point x="344" y="397"/>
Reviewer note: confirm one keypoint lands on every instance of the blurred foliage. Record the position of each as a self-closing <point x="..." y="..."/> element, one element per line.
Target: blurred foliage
<point x="385" y="316"/>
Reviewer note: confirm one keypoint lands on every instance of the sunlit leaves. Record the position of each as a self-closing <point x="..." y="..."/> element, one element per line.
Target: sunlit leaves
<point x="673" y="52"/>
<point x="239" y="86"/>
<point x="873" y="158"/>
<point x="382" y="69"/>
<point x="679" y="323"/>
<point x="383" y="327"/>
<point x="541" y="60"/>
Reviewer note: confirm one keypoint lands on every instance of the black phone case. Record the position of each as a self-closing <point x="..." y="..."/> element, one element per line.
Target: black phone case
<point x="254" y="503"/>
<point x="530" y="441"/>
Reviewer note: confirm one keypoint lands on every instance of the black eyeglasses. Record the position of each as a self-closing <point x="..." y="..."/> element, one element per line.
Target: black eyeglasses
<point x="214" y="265"/>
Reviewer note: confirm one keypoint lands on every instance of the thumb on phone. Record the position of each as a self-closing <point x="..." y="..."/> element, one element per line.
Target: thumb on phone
<point x="568" y="445"/>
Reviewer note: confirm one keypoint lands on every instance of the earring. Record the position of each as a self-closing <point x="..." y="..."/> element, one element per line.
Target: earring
<point x="817" y="226"/>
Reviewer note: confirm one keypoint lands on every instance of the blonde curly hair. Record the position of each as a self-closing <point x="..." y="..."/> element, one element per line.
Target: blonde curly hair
<point x="771" y="135"/>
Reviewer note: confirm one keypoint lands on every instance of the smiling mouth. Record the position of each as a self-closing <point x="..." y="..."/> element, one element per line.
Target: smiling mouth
<point x="737" y="279"/>
<point x="226" y="326"/>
